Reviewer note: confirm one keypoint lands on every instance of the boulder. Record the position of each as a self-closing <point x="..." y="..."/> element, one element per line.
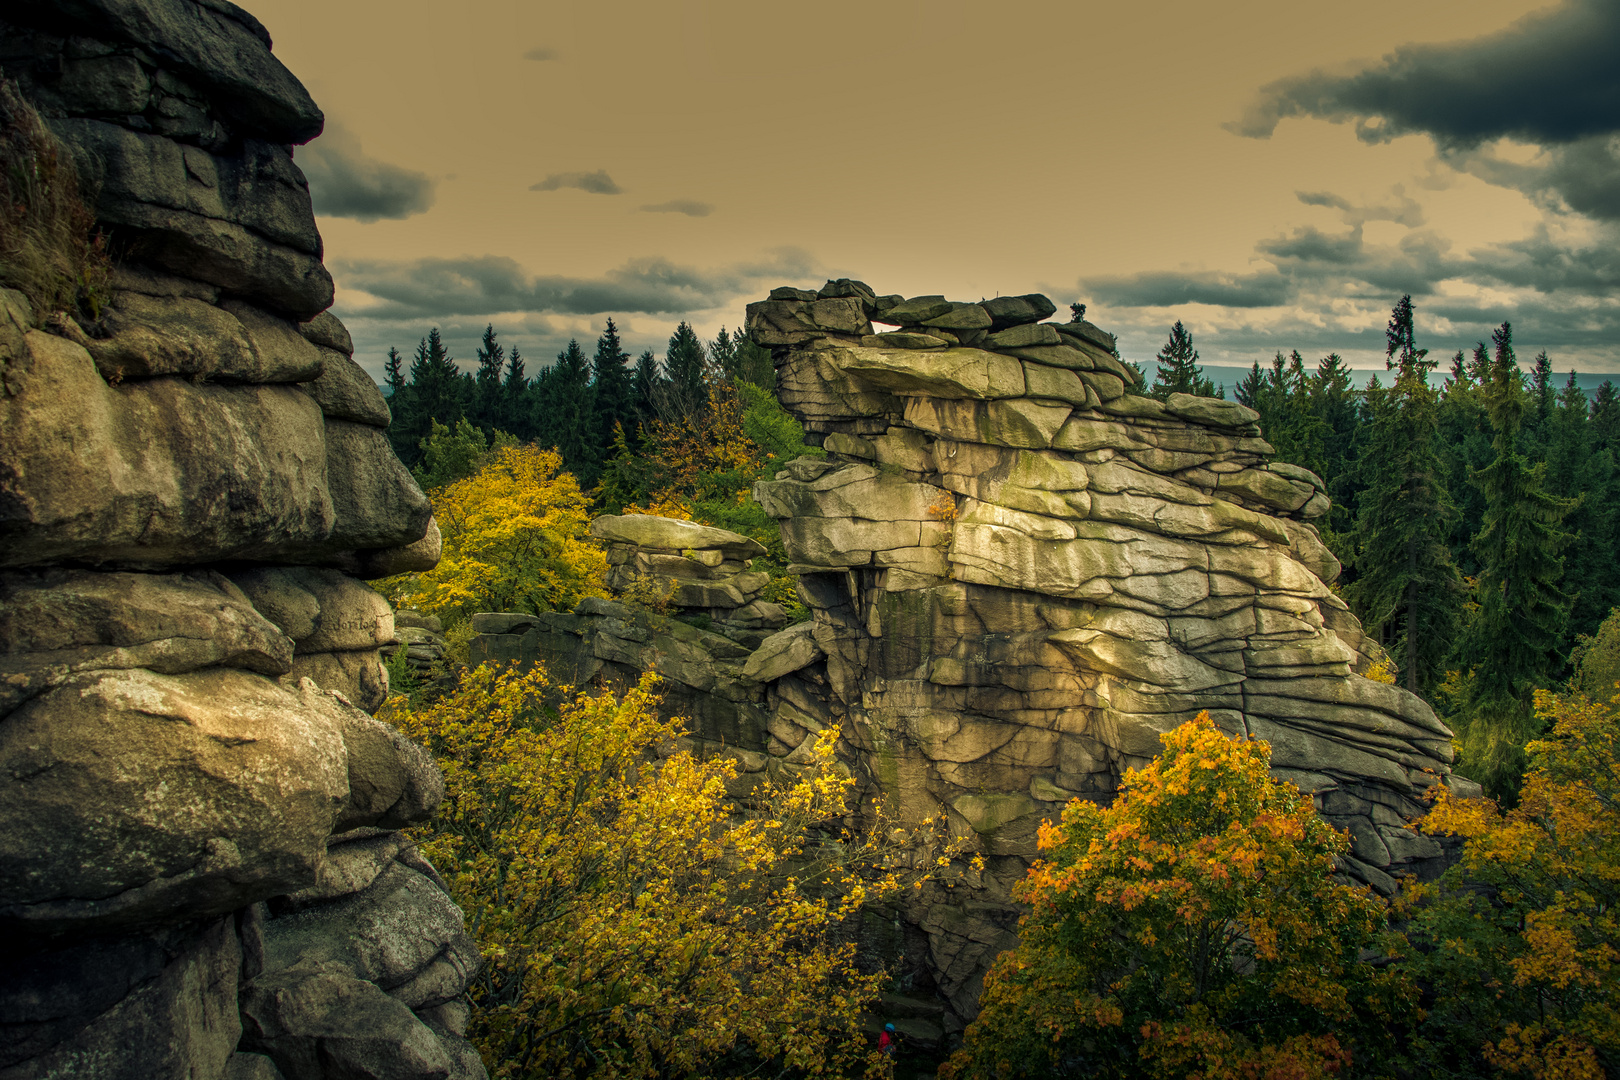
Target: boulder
<point x="1006" y="311"/>
<point x="345" y="392"/>
<point x="670" y="534"/>
<point x="321" y="610"/>
<point x="375" y="500"/>
<point x="953" y="373"/>
<point x="138" y="798"/>
<point x="783" y="653"/>
<point x="57" y="623"/>
<point x="164" y="472"/>
<point x="126" y="1008"/>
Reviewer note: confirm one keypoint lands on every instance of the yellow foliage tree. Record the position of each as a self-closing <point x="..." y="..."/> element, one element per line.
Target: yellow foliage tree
<point x="514" y="540"/>
<point x="1192" y="929"/>
<point x="1523" y="949"/>
<point x="633" y="923"/>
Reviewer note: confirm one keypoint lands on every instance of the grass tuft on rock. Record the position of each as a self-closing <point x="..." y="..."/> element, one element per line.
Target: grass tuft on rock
<point x="50" y="250"/>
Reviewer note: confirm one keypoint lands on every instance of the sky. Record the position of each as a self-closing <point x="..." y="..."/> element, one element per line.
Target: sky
<point x="1273" y="173"/>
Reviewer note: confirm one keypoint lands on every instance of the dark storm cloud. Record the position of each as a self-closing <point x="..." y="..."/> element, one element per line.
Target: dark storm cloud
<point x="1402" y="211"/>
<point x="1161" y="288"/>
<point x="597" y="183"/>
<point x="689" y="207"/>
<point x="1552" y="77"/>
<point x="1550" y="80"/>
<point x="427" y="289"/>
<point x="540" y="52"/>
<point x="345" y="182"/>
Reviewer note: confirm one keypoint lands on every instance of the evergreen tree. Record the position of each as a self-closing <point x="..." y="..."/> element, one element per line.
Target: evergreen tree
<point x="516" y="418"/>
<point x="1512" y="646"/>
<point x="1249" y="391"/>
<point x="684" y="392"/>
<point x="739" y="360"/>
<point x="614" y="381"/>
<point x="1579" y="469"/>
<point x="1179" y="372"/>
<point x="393" y="375"/>
<point x="1407" y="590"/>
<point x="647" y="382"/>
<point x="437" y="391"/>
<point x="1336" y="406"/>
<point x="1606" y="417"/>
<point x="487" y="396"/>
<point x="568" y="420"/>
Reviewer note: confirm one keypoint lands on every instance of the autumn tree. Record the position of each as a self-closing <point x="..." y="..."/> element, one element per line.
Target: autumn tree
<point x="1193" y="928"/>
<point x="1521" y="941"/>
<point x="633" y="923"/>
<point x="514" y="537"/>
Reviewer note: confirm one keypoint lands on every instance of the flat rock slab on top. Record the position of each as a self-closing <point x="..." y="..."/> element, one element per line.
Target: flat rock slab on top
<point x="670" y="534"/>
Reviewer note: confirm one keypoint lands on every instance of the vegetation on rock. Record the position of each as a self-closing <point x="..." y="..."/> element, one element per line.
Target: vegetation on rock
<point x="1190" y="929"/>
<point x="644" y="912"/>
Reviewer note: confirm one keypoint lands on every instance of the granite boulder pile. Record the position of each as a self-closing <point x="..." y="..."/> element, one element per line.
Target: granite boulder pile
<point x="201" y="872"/>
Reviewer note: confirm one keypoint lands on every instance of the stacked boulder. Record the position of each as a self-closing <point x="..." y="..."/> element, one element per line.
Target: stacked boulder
<point x="703" y="570"/>
<point x="689" y="609"/>
<point x="201" y="872"/>
<point x="1022" y="572"/>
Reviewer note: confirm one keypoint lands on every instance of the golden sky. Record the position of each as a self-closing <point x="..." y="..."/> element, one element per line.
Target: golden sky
<point x="688" y="157"/>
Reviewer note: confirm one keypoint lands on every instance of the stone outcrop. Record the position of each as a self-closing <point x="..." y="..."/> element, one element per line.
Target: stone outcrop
<point x="201" y="872"/>
<point x="1022" y="572"/>
<point x="694" y="616"/>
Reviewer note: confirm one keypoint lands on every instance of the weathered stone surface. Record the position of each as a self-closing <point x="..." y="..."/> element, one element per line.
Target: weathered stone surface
<point x="953" y="373"/>
<point x="242" y="223"/>
<point x="1017" y="591"/>
<point x="136" y="797"/>
<point x="320" y="610"/>
<point x="411" y="558"/>
<point x="327" y="331"/>
<point x="915" y="311"/>
<point x="127" y="1009"/>
<point x="58" y="623"/>
<point x="782" y="654"/>
<point x="357" y="674"/>
<point x="650" y="531"/>
<point x="1008" y="311"/>
<point x="163" y="472"/>
<point x="375" y="500"/>
<point x="961" y="317"/>
<point x="221" y="46"/>
<point x="313" y="1024"/>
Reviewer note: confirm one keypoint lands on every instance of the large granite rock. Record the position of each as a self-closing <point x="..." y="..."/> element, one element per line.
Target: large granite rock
<point x="200" y="873"/>
<point x="1022" y="573"/>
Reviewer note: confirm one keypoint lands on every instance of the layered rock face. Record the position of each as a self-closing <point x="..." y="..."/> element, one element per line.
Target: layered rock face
<point x="201" y="873"/>
<point x="1023" y="572"/>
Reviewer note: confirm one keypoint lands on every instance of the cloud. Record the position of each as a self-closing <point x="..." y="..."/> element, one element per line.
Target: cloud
<point x="1551" y="77"/>
<point x="689" y="207"/>
<point x="540" y="52"/>
<point x="1403" y="211"/>
<point x="1548" y="81"/>
<point x="428" y="289"/>
<point x="598" y="182"/>
<point x="345" y="182"/>
<point x="1160" y="288"/>
<point x="1313" y="288"/>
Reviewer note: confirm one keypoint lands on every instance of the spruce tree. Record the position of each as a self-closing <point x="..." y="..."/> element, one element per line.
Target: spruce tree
<point x="647" y="382"/>
<point x="684" y="393"/>
<point x="393" y="373"/>
<point x="1407" y="589"/>
<point x="614" y="381"/>
<point x="1179" y="372"/>
<point x="1577" y="468"/>
<point x="1249" y="390"/>
<point x="1511" y="649"/>
<point x="437" y="391"/>
<point x="1336" y="406"/>
<point x="516" y="418"/>
<point x="569" y="420"/>
<point x="487" y="397"/>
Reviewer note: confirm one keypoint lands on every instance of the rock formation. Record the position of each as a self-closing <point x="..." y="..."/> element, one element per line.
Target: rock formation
<point x="1022" y="572"/>
<point x="695" y="618"/>
<point x="201" y="873"/>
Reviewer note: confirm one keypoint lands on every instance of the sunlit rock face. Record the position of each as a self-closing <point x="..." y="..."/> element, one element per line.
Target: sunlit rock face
<point x="1023" y="572"/>
<point x="200" y="869"/>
